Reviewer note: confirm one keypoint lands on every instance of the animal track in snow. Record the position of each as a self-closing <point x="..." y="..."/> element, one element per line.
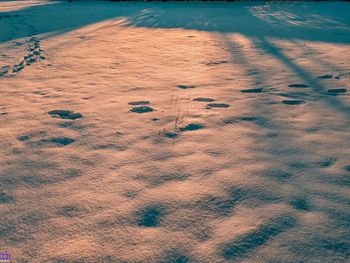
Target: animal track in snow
<point x="257" y="90"/>
<point x="337" y="91"/>
<point x="327" y="76"/>
<point x="192" y="127"/>
<point x="59" y="141"/>
<point x="293" y="102"/>
<point x="65" y="114"/>
<point x="186" y="86"/>
<point x="142" y="109"/>
<point x="34" y="54"/>
<point x="170" y="135"/>
<point x="217" y="105"/>
<point x="218" y="62"/>
<point x="140" y="102"/>
<point x="4" y="70"/>
<point x="204" y="99"/>
<point x="299" y="85"/>
<point x="256" y="120"/>
<point x="150" y="216"/>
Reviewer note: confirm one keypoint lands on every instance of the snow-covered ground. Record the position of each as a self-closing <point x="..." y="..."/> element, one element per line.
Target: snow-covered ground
<point x="175" y="132"/>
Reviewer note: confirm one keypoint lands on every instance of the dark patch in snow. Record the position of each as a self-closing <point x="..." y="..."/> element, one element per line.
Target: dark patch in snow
<point x="211" y="63"/>
<point x="327" y="163"/>
<point x="192" y="127"/>
<point x="150" y="216"/>
<point x="328" y="76"/>
<point x="293" y="102"/>
<point x="142" y="109"/>
<point x="204" y="99"/>
<point x="300" y="204"/>
<point x="23" y="138"/>
<point x="59" y="141"/>
<point x="256" y="120"/>
<point x="347" y="168"/>
<point x="4" y="198"/>
<point x="176" y="257"/>
<point x="217" y="105"/>
<point x="65" y="114"/>
<point x="299" y="86"/>
<point x="337" y="91"/>
<point x="257" y="90"/>
<point x="140" y="102"/>
<point x="186" y="86"/>
<point x="171" y="135"/>
<point x="68" y="211"/>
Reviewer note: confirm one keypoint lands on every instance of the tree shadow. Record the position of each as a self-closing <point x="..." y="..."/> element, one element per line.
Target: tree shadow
<point x="58" y="17"/>
<point x="297" y="160"/>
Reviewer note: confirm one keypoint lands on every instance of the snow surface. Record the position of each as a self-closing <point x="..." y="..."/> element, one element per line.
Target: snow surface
<point x="175" y="132"/>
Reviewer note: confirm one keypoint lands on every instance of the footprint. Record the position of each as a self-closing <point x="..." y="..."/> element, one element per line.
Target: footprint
<point x="4" y="198"/>
<point x="68" y="211"/>
<point x="252" y="72"/>
<point x="328" y="76"/>
<point x="18" y="68"/>
<point x="295" y="95"/>
<point x="150" y="216"/>
<point x="300" y="204"/>
<point x="170" y="135"/>
<point x="140" y="102"/>
<point x="337" y="91"/>
<point x="65" y="114"/>
<point x="192" y="127"/>
<point x="299" y="86"/>
<point x="186" y="86"/>
<point x="41" y="92"/>
<point x="293" y="102"/>
<point x="256" y="120"/>
<point x="30" y="61"/>
<point x="211" y="63"/>
<point x="59" y="141"/>
<point x="28" y="56"/>
<point x="31" y="135"/>
<point x="3" y="72"/>
<point x="176" y="257"/>
<point x="258" y="90"/>
<point x="204" y="99"/>
<point x="347" y="168"/>
<point x="217" y="105"/>
<point x="23" y="138"/>
<point x="327" y="162"/>
<point x="142" y="109"/>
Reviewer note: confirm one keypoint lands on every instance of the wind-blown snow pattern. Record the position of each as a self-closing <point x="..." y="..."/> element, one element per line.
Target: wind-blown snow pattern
<point x="174" y="132"/>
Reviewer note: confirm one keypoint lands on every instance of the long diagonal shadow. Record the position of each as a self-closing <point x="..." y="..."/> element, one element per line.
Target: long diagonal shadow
<point x="288" y="142"/>
<point x="332" y="101"/>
